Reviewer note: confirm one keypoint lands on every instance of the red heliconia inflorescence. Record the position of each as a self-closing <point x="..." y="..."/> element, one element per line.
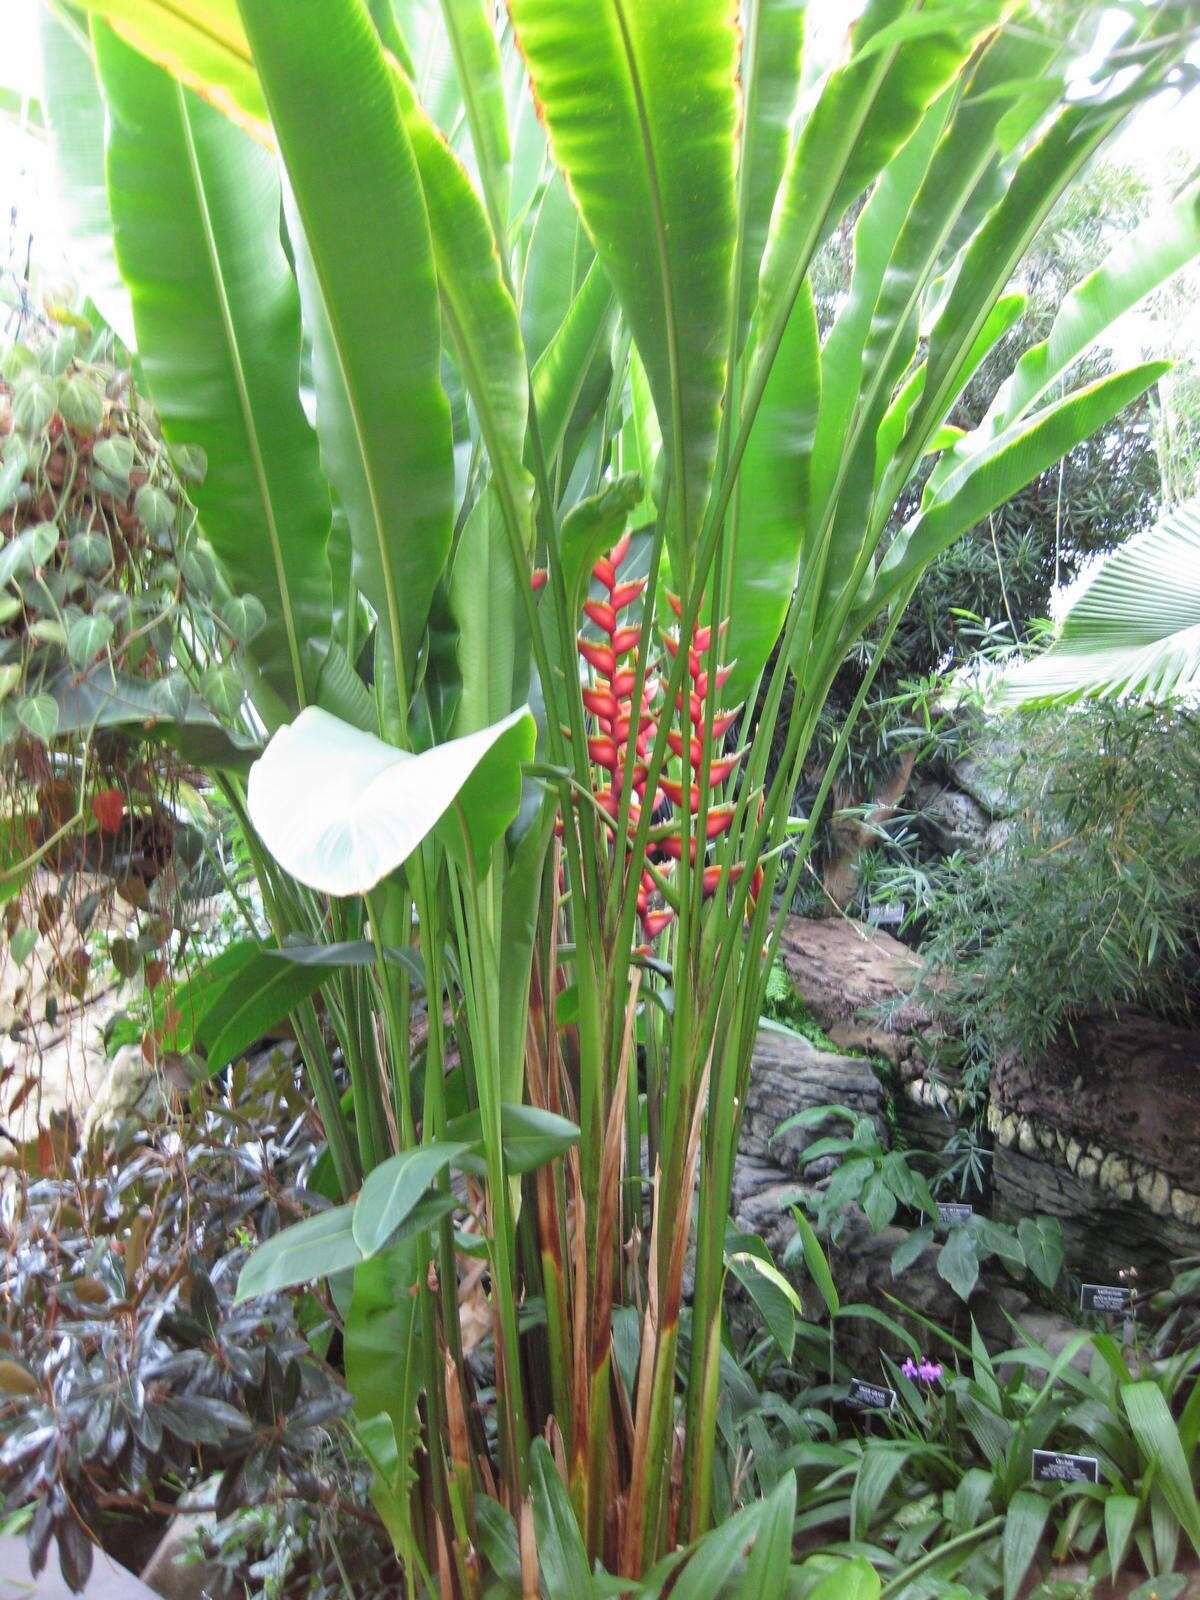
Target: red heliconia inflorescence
<point x="621" y="740"/>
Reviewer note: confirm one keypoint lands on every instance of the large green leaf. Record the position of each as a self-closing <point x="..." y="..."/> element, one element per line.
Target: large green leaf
<point x="1138" y="265"/>
<point x="202" y="44"/>
<point x="339" y="809"/>
<point x="382" y="1344"/>
<point x="563" y="366"/>
<point x="772" y="43"/>
<point x="1024" y="1524"/>
<point x="530" y="1137"/>
<point x="556" y="262"/>
<point x="392" y="1190"/>
<point x="996" y="249"/>
<point x="984" y="480"/>
<point x="480" y="316"/>
<point x="481" y="83"/>
<point x="640" y="105"/>
<point x="772" y="503"/>
<point x="75" y="114"/>
<point x="195" y="208"/>
<point x="1134" y="631"/>
<point x="1157" y="1437"/>
<point x="867" y="110"/>
<point x="307" y="1250"/>
<point x="371" y="302"/>
<point x="260" y="995"/>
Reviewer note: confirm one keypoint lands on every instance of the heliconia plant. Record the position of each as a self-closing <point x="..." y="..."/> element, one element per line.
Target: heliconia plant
<point x="499" y="332"/>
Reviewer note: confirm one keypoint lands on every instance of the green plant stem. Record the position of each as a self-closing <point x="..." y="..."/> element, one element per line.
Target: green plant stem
<point x="939" y="1553"/>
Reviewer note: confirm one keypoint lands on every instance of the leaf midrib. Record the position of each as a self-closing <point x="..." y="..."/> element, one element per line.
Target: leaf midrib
<point x="244" y="405"/>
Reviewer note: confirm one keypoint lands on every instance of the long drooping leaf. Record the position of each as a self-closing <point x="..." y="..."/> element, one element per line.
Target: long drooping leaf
<point x="867" y="110"/>
<point x="195" y="209"/>
<point x="381" y="408"/>
<point x="75" y="116"/>
<point x="640" y="105"/>
<point x="1138" y="265"/>
<point x="1136" y="628"/>
<point x="996" y="473"/>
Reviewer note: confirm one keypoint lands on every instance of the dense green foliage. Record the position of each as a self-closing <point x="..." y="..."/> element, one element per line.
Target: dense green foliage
<point x="504" y="340"/>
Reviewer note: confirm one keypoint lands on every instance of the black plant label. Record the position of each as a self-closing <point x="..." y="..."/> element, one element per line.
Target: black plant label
<point x="871" y="1396"/>
<point x="1109" y="1298"/>
<point x="1049" y="1466"/>
<point x="952" y="1212"/>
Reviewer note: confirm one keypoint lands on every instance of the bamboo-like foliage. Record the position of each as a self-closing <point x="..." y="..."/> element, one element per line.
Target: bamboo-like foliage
<point x="551" y="276"/>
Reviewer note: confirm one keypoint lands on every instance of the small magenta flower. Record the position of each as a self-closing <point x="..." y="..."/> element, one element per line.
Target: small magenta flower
<point x="924" y="1372"/>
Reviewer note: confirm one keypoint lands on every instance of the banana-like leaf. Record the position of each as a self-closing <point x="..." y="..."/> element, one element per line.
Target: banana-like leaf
<point x="992" y="476"/>
<point x="922" y="201"/>
<point x="773" y="39"/>
<point x="75" y="116"/>
<point x="371" y="304"/>
<point x="301" y="1253"/>
<point x="481" y="84"/>
<point x="996" y="249"/>
<point x="641" y="110"/>
<point x="203" y="45"/>
<point x="195" y="207"/>
<point x="772" y="503"/>
<point x="867" y="110"/>
<point x="556" y="263"/>
<point x="339" y="809"/>
<point x="1135" y="631"/>
<point x="480" y="316"/>
<point x="1147" y="258"/>
<point x="563" y="366"/>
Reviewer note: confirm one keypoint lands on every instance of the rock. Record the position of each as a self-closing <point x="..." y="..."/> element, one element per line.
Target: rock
<point x="132" y="1088"/>
<point x="1054" y="1333"/>
<point x="789" y="1074"/>
<point x="108" y="1581"/>
<point x="1128" y="1083"/>
<point x="954" y="818"/>
<point x="856" y="980"/>
<point x="984" y="772"/>
<point x="172" y="1578"/>
<point x="1108" y="1141"/>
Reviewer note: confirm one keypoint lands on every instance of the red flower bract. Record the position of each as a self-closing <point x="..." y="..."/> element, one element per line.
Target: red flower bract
<point x="108" y="808"/>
